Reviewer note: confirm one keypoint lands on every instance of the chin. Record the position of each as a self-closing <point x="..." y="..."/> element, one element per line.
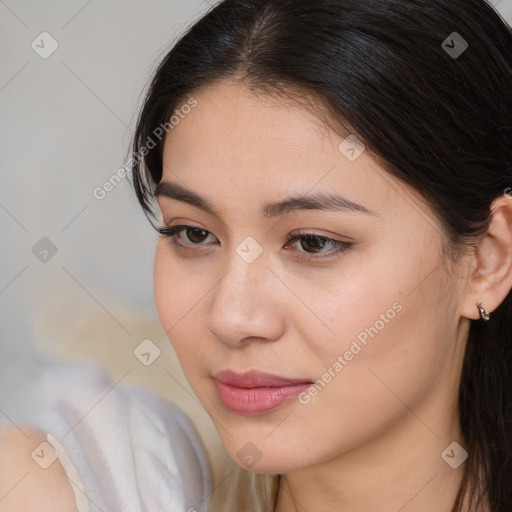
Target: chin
<point x="266" y="467"/>
<point x="259" y="457"/>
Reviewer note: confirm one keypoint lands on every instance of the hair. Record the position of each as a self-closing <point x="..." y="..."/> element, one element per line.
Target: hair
<point x="439" y="122"/>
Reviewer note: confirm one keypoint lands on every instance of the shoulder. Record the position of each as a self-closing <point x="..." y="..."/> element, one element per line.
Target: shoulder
<point x="32" y="478"/>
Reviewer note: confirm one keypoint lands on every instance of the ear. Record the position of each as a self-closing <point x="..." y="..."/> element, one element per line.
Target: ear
<point x="491" y="277"/>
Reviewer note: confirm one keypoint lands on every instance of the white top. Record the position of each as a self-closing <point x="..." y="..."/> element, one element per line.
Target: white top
<point x="124" y="449"/>
<point x="82" y="503"/>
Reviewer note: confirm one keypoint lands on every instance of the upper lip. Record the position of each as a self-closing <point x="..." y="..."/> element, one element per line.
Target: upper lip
<point x="255" y="379"/>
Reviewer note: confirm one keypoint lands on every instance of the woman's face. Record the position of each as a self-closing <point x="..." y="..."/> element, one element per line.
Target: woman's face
<point x="306" y="327"/>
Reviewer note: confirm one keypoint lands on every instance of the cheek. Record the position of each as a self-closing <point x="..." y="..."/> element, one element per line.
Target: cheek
<point x="177" y="289"/>
<point x="390" y="332"/>
<point x="393" y="356"/>
<point x="342" y="309"/>
<point x="164" y="288"/>
<point x="178" y="296"/>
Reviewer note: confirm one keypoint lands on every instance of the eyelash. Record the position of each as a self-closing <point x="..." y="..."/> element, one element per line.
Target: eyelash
<point x="339" y="246"/>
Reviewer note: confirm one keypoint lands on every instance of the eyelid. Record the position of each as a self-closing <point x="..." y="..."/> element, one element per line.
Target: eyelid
<point x="326" y="236"/>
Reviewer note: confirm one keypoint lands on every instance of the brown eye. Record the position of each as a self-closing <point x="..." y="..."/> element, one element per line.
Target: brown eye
<point x="188" y="236"/>
<point x="197" y="235"/>
<point x="312" y="243"/>
<point x="309" y="246"/>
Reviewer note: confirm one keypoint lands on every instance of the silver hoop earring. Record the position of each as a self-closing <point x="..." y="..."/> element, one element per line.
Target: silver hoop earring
<point x="483" y="313"/>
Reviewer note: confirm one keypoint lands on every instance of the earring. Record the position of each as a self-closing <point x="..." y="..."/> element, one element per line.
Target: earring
<point x="483" y="313"/>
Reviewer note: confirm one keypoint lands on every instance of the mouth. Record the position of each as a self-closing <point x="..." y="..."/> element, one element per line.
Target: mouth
<point x="253" y="392"/>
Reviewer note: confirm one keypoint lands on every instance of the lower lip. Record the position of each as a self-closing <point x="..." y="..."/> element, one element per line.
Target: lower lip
<point x="252" y="401"/>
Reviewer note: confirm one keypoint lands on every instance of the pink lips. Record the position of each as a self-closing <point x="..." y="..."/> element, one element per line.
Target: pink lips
<point x="253" y="392"/>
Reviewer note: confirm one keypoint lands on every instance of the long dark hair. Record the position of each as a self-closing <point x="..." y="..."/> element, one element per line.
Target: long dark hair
<point x="433" y="106"/>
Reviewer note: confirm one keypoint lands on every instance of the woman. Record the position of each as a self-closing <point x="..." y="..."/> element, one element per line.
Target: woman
<point x="334" y="268"/>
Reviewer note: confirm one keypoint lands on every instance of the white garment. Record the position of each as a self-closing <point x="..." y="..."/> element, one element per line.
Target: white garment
<point x="132" y="450"/>
<point x="81" y="500"/>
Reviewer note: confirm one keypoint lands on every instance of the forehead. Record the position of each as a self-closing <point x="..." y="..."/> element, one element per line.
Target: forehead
<point x="234" y="131"/>
<point x="229" y="112"/>
<point x="235" y="144"/>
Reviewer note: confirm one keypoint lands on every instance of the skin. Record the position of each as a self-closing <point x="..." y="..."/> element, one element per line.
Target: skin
<point x="372" y="438"/>
<point x="24" y="485"/>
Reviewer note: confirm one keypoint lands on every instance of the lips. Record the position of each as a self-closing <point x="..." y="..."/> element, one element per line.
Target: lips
<point x="254" y="392"/>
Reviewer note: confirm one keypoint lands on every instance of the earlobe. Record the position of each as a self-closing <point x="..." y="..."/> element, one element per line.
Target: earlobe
<point x="491" y="280"/>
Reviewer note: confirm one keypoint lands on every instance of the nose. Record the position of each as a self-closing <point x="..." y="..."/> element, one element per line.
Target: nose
<point x="247" y="305"/>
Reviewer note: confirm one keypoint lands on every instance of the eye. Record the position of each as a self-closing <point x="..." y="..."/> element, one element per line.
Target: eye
<point x="187" y="235"/>
<point x="316" y="246"/>
<point x="309" y="246"/>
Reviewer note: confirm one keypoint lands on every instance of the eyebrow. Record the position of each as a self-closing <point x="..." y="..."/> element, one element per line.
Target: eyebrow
<point x="314" y="201"/>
